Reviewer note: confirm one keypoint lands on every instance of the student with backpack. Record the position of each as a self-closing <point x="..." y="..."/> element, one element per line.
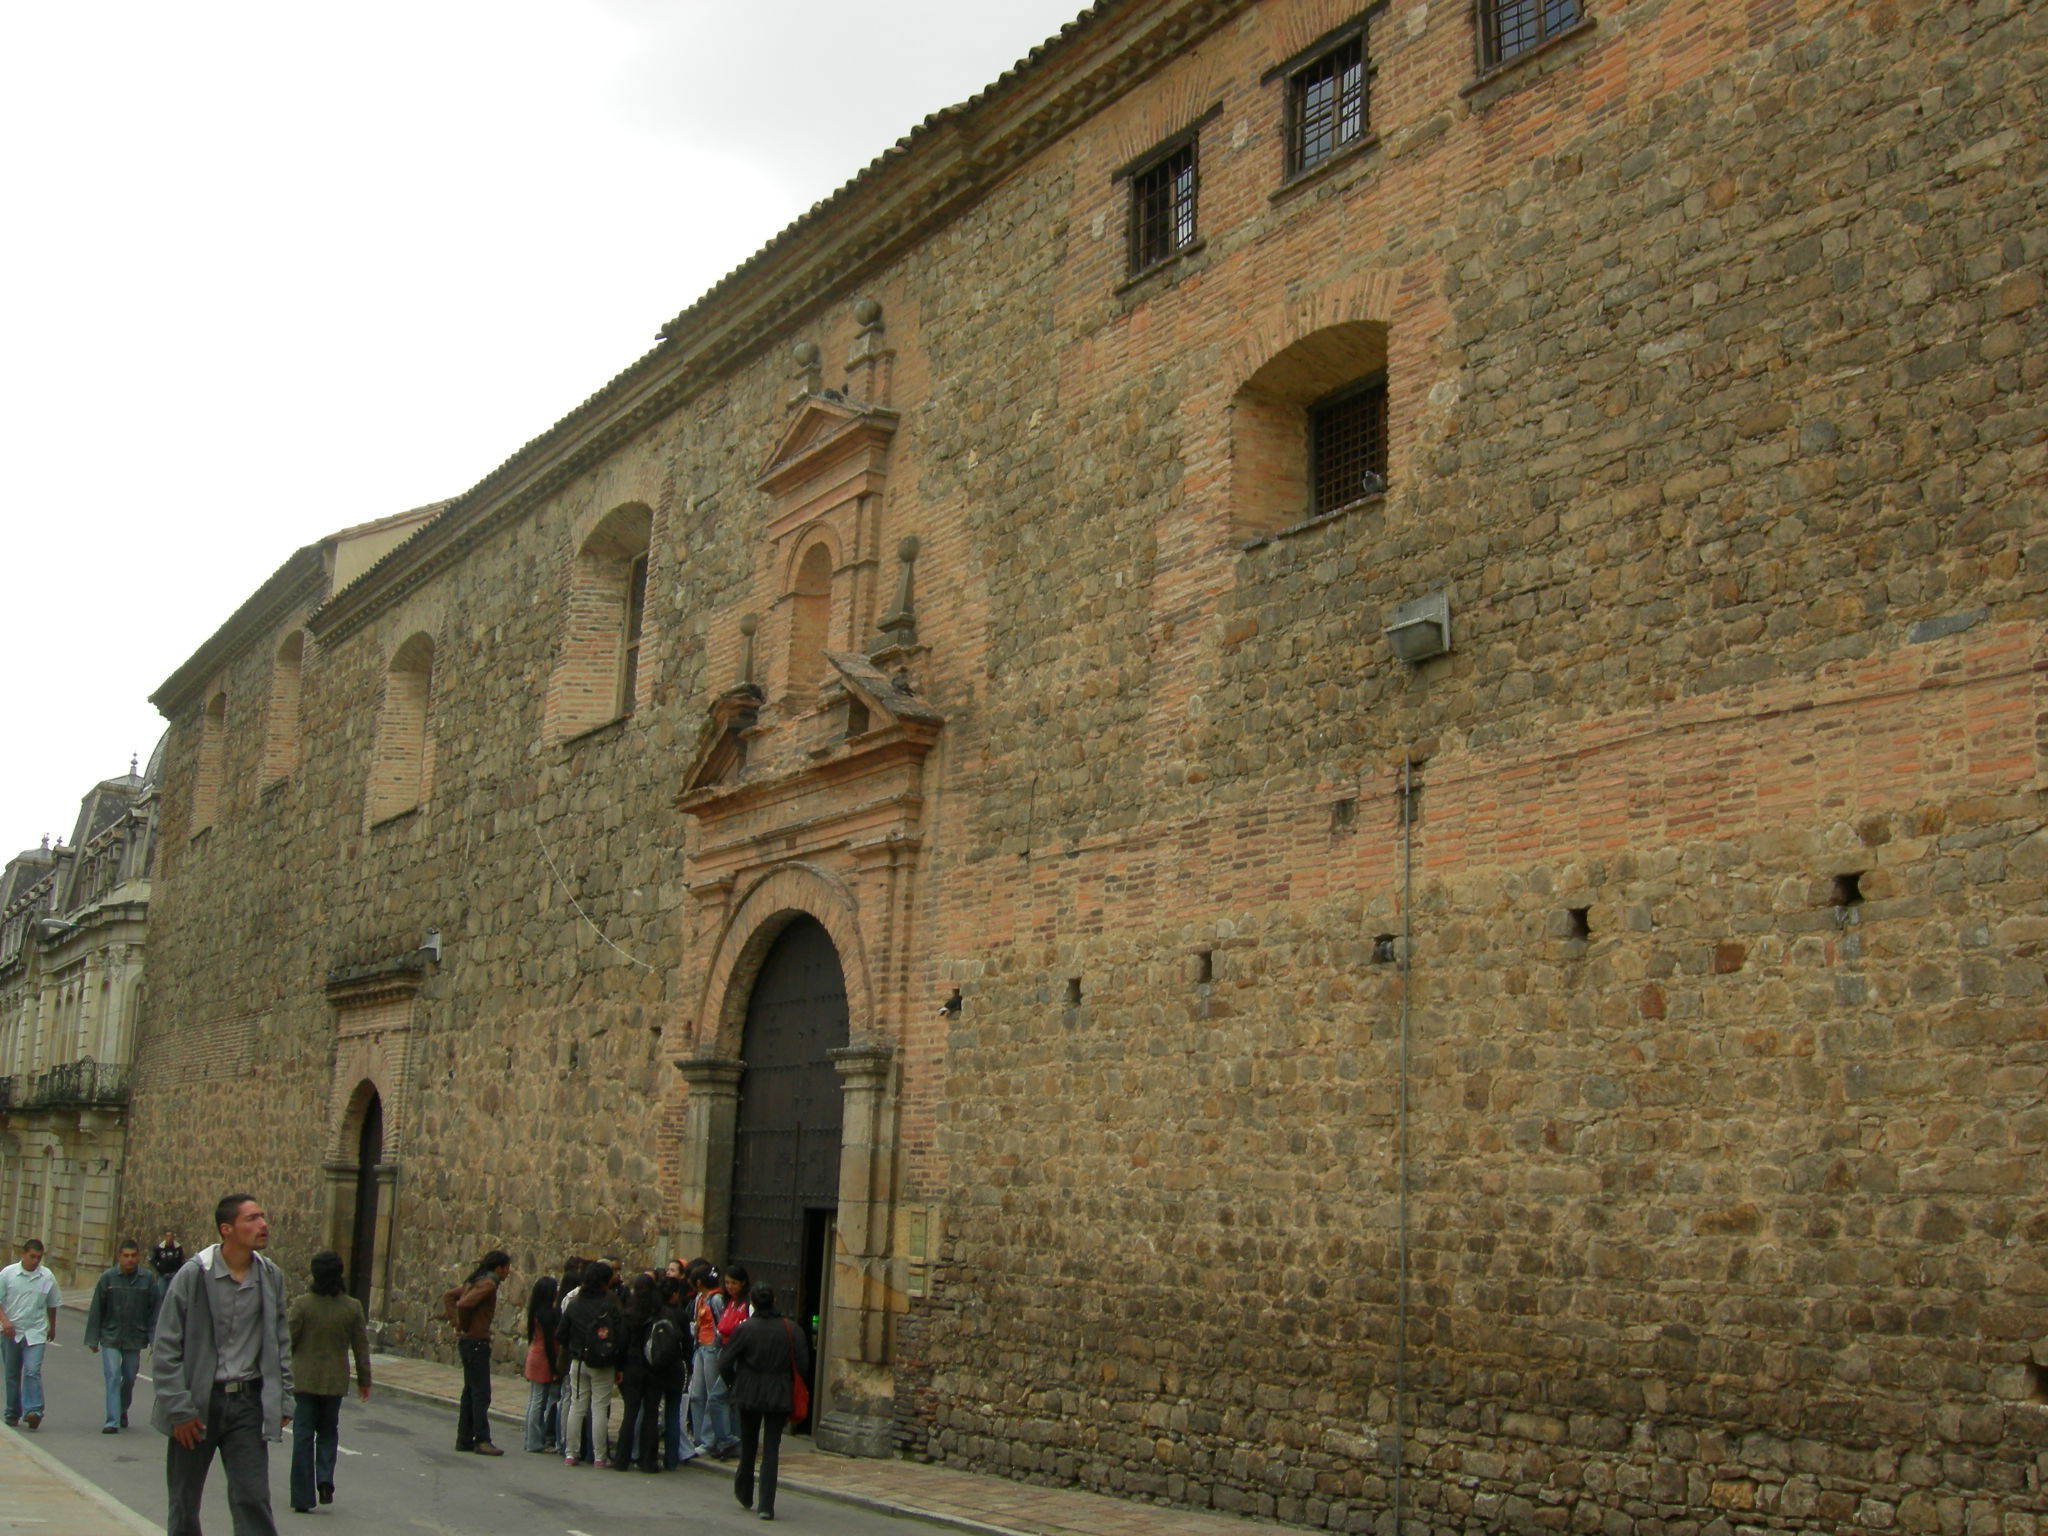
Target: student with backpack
<point x="668" y="1360"/>
<point x="592" y="1332"/>
<point x="636" y="1445"/>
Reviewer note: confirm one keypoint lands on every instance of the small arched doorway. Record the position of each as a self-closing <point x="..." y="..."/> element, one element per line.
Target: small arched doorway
<point x="786" y="1142"/>
<point x="362" y="1248"/>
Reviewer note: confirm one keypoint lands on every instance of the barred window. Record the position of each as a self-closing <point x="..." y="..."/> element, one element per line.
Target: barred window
<point x="1347" y="434"/>
<point x="1163" y="208"/>
<point x="1326" y="105"/>
<point x="1510" y="28"/>
<point x="629" y="647"/>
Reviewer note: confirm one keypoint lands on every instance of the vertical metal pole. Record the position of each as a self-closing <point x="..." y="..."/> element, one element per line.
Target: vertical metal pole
<point x="1401" y="1150"/>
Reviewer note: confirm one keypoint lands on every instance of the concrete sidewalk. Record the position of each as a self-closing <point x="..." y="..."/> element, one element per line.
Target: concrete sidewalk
<point x="964" y="1500"/>
<point x="44" y="1495"/>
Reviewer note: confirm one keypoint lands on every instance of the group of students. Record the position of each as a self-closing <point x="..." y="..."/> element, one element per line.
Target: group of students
<point x="703" y="1365"/>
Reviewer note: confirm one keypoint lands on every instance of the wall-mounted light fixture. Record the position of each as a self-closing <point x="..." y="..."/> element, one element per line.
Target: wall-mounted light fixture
<point x="430" y="946"/>
<point x="1421" y="628"/>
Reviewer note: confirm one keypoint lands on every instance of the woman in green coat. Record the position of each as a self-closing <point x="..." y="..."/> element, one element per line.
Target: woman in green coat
<point x="326" y="1325"/>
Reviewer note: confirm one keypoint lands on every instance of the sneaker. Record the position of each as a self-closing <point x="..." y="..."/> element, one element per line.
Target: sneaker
<point x="110" y="1429"/>
<point x="486" y="1448"/>
<point x="570" y="1461"/>
<point x="31" y="1420"/>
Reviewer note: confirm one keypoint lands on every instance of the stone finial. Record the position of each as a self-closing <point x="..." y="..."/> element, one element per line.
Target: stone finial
<point x="869" y="363"/>
<point x="899" y="626"/>
<point x="806" y="372"/>
<point x="749" y="623"/>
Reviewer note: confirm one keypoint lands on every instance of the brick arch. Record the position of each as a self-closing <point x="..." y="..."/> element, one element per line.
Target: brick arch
<point x="601" y="520"/>
<point x="347" y="1127"/>
<point x="783" y="894"/>
<point x="1268" y="332"/>
<point x="801" y="545"/>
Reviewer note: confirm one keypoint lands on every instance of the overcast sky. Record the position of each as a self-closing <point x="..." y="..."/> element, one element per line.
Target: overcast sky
<point x="269" y="270"/>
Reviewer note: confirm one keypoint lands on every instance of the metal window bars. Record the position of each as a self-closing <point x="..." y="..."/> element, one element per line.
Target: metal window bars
<point x="1329" y="108"/>
<point x="1510" y="28"/>
<point x="1348" y="446"/>
<point x="1163" y="208"/>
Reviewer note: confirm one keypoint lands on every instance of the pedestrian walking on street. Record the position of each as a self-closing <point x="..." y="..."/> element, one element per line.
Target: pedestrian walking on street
<point x="590" y="1331"/>
<point x="222" y="1368"/>
<point x="326" y="1326"/>
<point x="118" y="1323"/>
<point x="543" y="1368"/>
<point x="761" y="1362"/>
<point x="28" y="1315"/>
<point x="475" y="1308"/>
<point x="167" y="1257"/>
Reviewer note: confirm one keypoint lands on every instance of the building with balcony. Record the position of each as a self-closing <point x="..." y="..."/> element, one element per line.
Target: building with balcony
<point x="73" y="935"/>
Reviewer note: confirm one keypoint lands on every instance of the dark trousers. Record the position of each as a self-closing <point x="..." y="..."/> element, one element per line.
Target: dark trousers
<point x="316" y="1439"/>
<point x="633" y="1424"/>
<point x="765" y="1431"/>
<point x="234" y="1427"/>
<point x="672" y="1426"/>
<point x="473" y="1417"/>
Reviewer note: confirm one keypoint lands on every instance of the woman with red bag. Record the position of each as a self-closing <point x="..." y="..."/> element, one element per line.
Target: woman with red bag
<point x="766" y="1363"/>
<point x="543" y="1370"/>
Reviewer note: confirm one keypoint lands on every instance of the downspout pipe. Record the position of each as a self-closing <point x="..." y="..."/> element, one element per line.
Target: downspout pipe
<point x="1401" y="1147"/>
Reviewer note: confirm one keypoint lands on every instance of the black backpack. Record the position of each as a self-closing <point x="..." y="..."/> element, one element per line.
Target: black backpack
<point x="603" y="1349"/>
<point x="664" y="1345"/>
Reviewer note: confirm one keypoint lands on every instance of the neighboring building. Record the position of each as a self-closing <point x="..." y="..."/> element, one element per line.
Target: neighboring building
<point x="1304" y="765"/>
<point x="74" y="923"/>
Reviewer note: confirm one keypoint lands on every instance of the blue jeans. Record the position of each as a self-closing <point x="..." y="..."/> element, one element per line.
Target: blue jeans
<point x="23" y="1364"/>
<point x="316" y="1439"/>
<point x="117" y="1370"/>
<point x="711" y="1420"/>
<point x="543" y="1415"/>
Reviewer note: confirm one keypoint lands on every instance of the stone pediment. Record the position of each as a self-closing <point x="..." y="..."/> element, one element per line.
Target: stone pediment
<point x="721" y="741"/>
<point x="826" y="430"/>
<point x="899" y="730"/>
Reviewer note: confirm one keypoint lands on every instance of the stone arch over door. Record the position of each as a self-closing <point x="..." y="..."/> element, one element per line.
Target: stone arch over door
<point x="854" y="1385"/>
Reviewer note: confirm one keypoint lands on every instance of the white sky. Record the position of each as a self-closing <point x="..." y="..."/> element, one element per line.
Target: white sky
<point x="267" y="270"/>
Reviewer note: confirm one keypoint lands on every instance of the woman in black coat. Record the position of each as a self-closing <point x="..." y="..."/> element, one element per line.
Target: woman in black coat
<point x="757" y="1364"/>
<point x="643" y="1306"/>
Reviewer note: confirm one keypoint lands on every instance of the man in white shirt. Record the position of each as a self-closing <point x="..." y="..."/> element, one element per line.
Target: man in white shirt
<point x="28" y="1311"/>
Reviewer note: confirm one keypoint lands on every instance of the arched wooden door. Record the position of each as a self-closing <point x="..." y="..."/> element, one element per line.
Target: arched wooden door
<point x="785" y="1182"/>
<point x="362" y="1248"/>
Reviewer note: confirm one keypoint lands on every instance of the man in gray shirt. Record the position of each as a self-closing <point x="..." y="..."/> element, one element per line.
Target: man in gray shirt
<point x="222" y="1368"/>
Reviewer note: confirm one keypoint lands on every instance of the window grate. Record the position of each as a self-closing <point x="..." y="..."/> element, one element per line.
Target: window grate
<point x="1328" y="99"/>
<point x="1348" y="446"/>
<point x="629" y="649"/>
<point x="1163" y="208"/>
<point x="1510" y="28"/>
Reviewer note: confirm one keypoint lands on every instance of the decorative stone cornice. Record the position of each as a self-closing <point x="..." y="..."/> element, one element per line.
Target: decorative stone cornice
<point x="300" y="580"/>
<point x="933" y="174"/>
<point x="377" y="980"/>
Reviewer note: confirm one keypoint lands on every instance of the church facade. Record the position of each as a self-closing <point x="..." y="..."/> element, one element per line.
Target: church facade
<point x="1304" y="766"/>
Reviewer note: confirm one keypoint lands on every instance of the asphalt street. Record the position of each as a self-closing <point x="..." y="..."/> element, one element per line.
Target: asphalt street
<point x="399" y="1472"/>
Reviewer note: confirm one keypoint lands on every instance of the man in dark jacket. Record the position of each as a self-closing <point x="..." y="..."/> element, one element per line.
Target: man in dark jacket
<point x="167" y="1256"/>
<point x="759" y="1363"/>
<point x="119" y="1321"/>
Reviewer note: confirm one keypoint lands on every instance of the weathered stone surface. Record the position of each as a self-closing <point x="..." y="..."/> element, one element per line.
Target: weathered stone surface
<point x="1686" y="907"/>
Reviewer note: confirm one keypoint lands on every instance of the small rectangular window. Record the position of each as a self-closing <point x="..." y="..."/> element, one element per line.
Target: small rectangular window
<point x="1163" y="208"/>
<point x="1348" y="445"/>
<point x="1326" y="105"/>
<point x="629" y="649"/>
<point x="1510" y="28"/>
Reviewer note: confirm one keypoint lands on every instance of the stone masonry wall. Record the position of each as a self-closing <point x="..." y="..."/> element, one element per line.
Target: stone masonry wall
<point x="1714" y="344"/>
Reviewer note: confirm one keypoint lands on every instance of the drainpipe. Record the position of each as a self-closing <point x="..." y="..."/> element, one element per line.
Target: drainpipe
<point x="1401" y="1146"/>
